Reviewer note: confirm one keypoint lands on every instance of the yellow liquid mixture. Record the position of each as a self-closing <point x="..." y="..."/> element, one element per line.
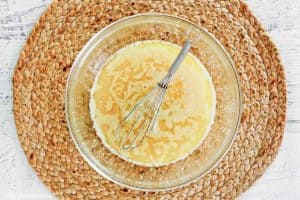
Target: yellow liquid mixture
<point x="186" y="113"/>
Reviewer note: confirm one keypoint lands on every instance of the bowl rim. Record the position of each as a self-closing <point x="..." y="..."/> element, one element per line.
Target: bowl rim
<point x="85" y="51"/>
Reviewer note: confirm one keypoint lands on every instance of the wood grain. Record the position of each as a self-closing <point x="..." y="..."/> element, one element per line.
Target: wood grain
<point x="282" y="179"/>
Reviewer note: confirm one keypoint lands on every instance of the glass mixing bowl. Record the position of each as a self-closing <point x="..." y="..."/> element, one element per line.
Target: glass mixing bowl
<point x="153" y="27"/>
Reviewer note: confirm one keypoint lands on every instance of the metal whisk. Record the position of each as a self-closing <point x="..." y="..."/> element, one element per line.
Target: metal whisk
<point x="141" y="119"/>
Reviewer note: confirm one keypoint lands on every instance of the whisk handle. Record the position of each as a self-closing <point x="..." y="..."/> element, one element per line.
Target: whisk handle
<point x="184" y="51"/>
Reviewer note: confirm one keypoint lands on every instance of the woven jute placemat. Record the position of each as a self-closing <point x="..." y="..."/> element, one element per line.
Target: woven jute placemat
<point x="39" y="87"/>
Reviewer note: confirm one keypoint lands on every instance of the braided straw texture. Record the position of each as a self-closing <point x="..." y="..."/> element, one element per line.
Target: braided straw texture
<point x="39" y="87"/>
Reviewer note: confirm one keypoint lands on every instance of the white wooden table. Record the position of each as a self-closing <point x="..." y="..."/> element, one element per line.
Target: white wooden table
<point x="281" y="19"/>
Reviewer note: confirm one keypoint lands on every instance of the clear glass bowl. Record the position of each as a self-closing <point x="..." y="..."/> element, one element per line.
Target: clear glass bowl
<point x="149" y="27"/>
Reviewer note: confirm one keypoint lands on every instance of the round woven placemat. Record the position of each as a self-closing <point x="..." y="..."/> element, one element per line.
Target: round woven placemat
<point x="39" y="88"/>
